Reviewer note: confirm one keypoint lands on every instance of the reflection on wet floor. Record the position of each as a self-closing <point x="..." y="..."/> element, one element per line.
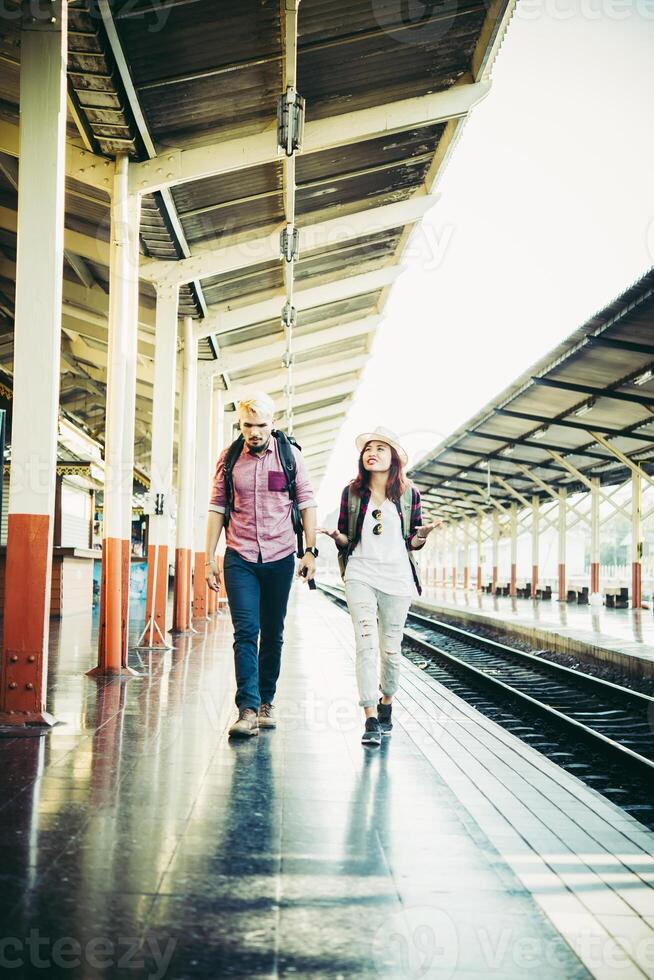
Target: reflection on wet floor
<point x="136" y="833"/>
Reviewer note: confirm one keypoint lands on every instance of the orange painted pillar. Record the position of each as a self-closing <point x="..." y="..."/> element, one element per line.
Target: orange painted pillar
<point x="594" y="576"/>
<point x="186" y="482"/>
<point x="636" y="585"/>
<point x="36" y="366"/>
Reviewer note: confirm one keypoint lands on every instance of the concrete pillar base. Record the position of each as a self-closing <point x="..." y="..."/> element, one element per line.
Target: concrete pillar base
<point x="28" y="719"/>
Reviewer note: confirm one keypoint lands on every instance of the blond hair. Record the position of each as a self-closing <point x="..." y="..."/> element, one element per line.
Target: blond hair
<point x="258" y="403"/>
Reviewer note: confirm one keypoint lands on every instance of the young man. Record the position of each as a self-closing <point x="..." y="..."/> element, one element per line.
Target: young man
<point x="259" y="558"/>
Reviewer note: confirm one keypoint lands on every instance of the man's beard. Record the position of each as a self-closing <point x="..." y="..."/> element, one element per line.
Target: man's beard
<point x="259" y="447"/>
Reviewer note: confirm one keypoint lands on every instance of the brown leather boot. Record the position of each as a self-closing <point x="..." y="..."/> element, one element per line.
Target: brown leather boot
<point x="267" y="716"/>
<point x="247" y="724"/>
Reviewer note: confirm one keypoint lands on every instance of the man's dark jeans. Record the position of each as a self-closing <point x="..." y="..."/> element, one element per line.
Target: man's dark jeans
<point x="258" y="595"/>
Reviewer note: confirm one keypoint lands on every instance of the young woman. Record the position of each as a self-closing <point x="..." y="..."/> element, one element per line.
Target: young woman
<point x="379" y="528"/>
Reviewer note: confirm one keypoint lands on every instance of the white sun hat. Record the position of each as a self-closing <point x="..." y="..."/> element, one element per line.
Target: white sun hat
<point x="381" y="434"/>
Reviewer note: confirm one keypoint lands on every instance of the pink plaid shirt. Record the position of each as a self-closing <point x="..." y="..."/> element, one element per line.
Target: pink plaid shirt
<point x="260" y="520"/>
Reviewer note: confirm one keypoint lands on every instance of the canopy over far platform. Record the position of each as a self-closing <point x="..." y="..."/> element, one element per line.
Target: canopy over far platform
<point x="584" y="411"/>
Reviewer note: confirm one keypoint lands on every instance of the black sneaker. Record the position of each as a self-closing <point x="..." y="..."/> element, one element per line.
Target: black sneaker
<point x="372" y="732"/>
<point x="384" y="713"/>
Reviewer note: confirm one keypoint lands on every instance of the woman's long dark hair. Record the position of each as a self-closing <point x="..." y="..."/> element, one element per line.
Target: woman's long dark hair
<point x="397" y="480"/>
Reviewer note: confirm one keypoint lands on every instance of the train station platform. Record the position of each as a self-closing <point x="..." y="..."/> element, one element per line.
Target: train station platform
<point x="623" y="638"/>
<point x="138" y="841"/>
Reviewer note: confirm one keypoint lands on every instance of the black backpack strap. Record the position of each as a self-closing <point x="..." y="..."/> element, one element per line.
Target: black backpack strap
<point x="231" y="456"/>
<point x="287" y="459"/>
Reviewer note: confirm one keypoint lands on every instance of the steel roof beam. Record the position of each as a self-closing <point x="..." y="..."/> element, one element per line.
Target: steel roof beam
<point x="87" y="246"/>
<point x="223" y="258"/>
<point x="232" y="359"/>
<point x="537" y="444"/>
<point x="546" y="464"/>
<point x="595" y="392"/>
<point x="633" y="467"/>
<point x="82" y="165"/>
<point x="629" y="345"/>
<point x="223" y="319"/>
<point x="622" y="433"/>
<point x="314" y="373"/>
<point x="174" y="166"/>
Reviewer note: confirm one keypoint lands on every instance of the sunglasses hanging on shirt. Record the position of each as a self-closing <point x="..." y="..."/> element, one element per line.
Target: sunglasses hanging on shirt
<point x="377" y="529"/>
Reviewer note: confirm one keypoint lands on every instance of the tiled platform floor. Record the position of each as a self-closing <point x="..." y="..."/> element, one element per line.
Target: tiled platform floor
<point x="616" y="634"/>
<point x="137" y="841"/>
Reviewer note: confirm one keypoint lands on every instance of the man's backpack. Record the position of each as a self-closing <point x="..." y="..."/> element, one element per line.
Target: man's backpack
<point x="287" y="459"/>
<point x="353" y="510"/>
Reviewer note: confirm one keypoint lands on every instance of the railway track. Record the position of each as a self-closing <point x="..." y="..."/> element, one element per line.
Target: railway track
<point x="615" y="722"/>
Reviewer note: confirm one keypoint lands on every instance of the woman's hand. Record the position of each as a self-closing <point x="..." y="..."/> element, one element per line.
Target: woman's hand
<point x="336" y="536"/>
<point x="421" y="533"/>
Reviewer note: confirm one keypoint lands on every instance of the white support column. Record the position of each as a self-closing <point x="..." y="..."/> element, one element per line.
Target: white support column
<point x="563" y="534"/>
<point x="36" y="366"/>
<point x="230" y="420"/>
<point x="454" y="555"/>
<point x="162" y="494"/>
<point x="119" y="452"/>
<point x="185" y="480"/>
<point x="203" y="476"/>
<point x="466" y="553"/>
<point x="129" y="416"/>
<point x="595" y="535"/>
<point x="479" y="551"/>
<point x="535" y="542"/>
<point x="496" y="549"/>
<point x="444" y="557"/>
<point x="636" y="540"/>
<point x="513" y="588"/>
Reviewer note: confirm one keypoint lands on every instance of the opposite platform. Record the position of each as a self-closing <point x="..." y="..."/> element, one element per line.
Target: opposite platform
<point x="622" y="637"/>
<point x="138" y="834"/>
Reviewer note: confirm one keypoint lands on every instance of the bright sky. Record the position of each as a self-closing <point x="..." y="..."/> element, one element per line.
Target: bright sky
<point x="546" y="213"/>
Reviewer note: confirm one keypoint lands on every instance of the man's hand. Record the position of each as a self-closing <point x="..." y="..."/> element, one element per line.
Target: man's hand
<point x="212" y="575"/>
<point x="309" y="562"/>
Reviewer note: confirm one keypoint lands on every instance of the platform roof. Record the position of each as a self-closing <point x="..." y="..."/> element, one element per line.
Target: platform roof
<point x="184" y="81"/>
<point x="588" y="404"/>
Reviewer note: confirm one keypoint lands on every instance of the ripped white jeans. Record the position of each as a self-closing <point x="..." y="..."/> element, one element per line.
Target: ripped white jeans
<point x="378" y="620"/>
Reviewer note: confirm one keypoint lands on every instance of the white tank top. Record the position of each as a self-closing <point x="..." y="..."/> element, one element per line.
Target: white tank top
<point x="381" y="560"/>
